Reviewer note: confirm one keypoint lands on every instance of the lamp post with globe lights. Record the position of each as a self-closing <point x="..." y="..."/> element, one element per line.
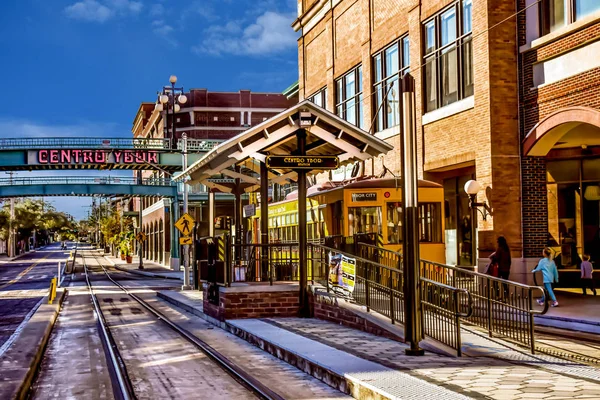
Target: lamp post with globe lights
<point x="171" y="98"/>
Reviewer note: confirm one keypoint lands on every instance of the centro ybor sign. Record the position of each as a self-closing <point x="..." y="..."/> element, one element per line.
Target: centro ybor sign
<point x="74" y="156"/>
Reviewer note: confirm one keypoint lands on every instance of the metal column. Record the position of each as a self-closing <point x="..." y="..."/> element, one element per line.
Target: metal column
<point x="302" y="248"/>
<point x="186" y="248"/>
<point x="412" y="285"/>
<point x="175" y="233"/>
<point x="238" y="213"/>
<point x="264" y="221"/>
<point x="211" y="213"/>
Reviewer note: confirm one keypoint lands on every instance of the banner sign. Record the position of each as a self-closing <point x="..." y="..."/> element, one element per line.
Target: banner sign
<point x="249" y="210"/>
<point x="342" y="274"/>
<point x="364" y="196"/>
<point x="303" y="162"/>
<point x="76" y="156"/>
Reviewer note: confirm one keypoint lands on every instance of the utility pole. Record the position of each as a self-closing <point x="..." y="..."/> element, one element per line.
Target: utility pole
<point x="186" y="256"/>
<point x="11" y="233"/>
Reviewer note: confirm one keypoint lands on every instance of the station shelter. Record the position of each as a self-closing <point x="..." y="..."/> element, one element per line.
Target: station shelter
<point x="301" y="141"/>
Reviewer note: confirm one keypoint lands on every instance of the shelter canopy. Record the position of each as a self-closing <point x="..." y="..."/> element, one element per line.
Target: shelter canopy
<point x="327" y="135"/>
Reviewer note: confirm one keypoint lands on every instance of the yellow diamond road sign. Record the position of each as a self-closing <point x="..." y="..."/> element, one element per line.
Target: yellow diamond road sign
<point x="185" y="240"/>
<point x="141" y="236"/>
<point x="185" y="224"/>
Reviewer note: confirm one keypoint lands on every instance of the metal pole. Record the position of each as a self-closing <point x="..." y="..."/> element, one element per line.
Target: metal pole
<point x="412" y="302"/>
<point x="140" y="243"/>
<point x="264" y="220"/>
<point x="303" y="295"/>
<point x="186" y="253"/>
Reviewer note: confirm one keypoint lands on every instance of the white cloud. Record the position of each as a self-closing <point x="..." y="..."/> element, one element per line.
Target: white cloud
<point x="164" y="31"/>
<point x="269" y="33"/>
<point x="95" y="11"/>
<point x="89" y="10"/>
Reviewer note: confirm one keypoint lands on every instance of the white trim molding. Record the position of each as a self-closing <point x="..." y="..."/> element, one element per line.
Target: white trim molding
<point x="449" y="110"/>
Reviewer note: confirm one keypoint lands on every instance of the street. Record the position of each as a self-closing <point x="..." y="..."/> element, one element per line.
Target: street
<point x="23" y="283"/>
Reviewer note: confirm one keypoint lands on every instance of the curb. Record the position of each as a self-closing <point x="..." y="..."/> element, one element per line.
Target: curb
<point x="192" y="310"/>
<point x="147" y="274"/>
<point x="27" y="352"/>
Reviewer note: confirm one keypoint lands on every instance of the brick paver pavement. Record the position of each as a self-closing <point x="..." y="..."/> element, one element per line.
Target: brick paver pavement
<point x="499" y="374"/>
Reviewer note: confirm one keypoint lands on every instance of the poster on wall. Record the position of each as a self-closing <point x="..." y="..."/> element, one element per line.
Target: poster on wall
<point x="342" y="274"/>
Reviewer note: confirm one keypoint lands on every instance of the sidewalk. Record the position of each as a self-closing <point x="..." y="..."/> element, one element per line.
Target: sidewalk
<point x="5" y="258"/>
<point x="361" y="363"/>
<point x="576" y="312"/>
<point x="151" y="269"/>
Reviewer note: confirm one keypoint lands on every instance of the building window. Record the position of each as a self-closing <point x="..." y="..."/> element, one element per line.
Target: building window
<point x="557" y="13"/>
<point x="320" y="98"/>
<point x="448" y="62"/>
<point x="389" y="65"/>
<point x="349" y="97"/>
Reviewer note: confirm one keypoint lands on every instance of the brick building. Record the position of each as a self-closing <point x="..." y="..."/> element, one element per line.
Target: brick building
<point x="559" y="50"/>
<point x="351" y="55"/>
<point x="205" y="115"/>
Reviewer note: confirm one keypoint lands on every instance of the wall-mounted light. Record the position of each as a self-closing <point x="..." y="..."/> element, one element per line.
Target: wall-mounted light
<point x="305" y="118"/>
<point x="472" y="187"/>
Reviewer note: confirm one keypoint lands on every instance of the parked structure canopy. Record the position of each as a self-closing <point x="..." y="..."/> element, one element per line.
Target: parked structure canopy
<point x="305" y="130"/>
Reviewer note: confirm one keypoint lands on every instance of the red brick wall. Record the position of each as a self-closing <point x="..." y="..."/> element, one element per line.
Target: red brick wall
<point x="236" y="305"/>
<point x="536" y="104"/>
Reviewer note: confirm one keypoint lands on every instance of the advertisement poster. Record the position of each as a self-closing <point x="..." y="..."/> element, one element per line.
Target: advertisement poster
<point x="342" y="274"/>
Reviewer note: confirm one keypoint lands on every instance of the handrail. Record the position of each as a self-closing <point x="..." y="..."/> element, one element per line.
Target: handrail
<point x="457" y="290"/>
<point x="356" y="257"/>
<point x="498" y="280"/>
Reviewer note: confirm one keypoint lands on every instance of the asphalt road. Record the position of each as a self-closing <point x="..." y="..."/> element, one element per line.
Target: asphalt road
<point x="23" y="283"/>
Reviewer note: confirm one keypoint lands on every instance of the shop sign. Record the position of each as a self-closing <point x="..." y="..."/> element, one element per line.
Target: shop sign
<point x="77" y="156"/>
<point x="369" y="196"/>
<point x="303" y="162"/>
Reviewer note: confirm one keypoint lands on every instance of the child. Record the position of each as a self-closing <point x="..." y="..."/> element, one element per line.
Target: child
<point x="587" y="275"/>
<point x="550" y="273"/>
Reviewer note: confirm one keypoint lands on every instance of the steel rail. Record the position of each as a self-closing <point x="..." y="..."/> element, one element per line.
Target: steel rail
<point x="116" y="361"/>
<point x="231" y="368"/>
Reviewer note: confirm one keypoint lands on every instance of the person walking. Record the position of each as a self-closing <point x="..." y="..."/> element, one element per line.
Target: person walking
<point x="501" y="257"/>
<point x="587" y="275"/>
<point x="550" y="273"/>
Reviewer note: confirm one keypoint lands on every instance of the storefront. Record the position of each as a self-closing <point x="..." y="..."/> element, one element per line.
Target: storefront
<point x="573" y="209"/>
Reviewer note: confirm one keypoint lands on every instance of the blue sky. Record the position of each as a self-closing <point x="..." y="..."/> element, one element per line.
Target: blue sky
<point x="82" y="67"/>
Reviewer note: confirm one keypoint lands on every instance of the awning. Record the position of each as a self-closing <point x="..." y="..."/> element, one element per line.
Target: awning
<point x="328" y="135"/>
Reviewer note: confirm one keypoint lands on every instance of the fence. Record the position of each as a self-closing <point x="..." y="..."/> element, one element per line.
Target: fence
<point x="380" y="287"/>
<point x="85" y="143"/>
<point x="502" y="307"/>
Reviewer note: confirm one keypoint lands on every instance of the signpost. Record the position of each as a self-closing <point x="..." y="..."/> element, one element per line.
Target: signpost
<point x="185" y="240"/>
<point x="185" y="224"/>
<point x="141" y="237"/>
<point x="303" y="162"/>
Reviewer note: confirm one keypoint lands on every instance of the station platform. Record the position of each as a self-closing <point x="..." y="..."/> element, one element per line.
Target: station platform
<point x="576" y="312"/>
<point x="151" y="269"/>
<point x="369" y="366"/>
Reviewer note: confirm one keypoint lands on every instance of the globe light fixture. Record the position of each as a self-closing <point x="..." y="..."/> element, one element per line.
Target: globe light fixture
<point x="473" y="187"/>
<point x="182" y="99"/>
<point x="164" y="99"/>
<point x="173" y="79"/>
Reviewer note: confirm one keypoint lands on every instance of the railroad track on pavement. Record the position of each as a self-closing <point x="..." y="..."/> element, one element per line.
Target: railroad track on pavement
<point x="119" y="368"/>
<point x="569" y="349"/>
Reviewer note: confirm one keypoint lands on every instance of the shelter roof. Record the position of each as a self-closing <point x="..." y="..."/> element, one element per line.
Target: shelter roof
<point x="327" y="135"/>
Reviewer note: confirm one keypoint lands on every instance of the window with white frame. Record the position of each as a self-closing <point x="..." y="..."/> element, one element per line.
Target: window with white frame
<point x="389" y="65"/>
<point x="448" y="61"/>
<point x="349" y="96"/>
<point x="320" y="98"/>
<point x="554" y="14"/>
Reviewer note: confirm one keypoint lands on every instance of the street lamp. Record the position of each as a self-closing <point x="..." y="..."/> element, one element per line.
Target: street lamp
<point x="171" y="98"/>
<point x="472" y="187"/>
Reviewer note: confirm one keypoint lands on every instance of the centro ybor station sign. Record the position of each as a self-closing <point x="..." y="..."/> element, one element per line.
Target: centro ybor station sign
<point x="75" y="156"/>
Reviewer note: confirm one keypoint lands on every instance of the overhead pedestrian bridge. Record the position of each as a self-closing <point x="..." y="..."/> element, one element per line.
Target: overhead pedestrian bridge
<point x="99" y="153"/>
<point x="86" y="186"/>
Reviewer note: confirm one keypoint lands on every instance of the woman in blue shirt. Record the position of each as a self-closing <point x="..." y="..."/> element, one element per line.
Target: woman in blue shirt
<point x="550" y="273"/>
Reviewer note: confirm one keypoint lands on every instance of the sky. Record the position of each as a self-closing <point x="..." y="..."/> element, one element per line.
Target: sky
<point x="82" y="67"/>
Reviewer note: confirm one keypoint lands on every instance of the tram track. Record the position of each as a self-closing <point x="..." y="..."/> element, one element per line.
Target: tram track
<point x="119" y="367"/>
<point x="569" y="348"/>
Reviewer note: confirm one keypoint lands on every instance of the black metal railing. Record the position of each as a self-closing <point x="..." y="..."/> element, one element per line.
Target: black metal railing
<point x="443" y="307"/>
<point x="389" y="258"/>
<point x="265" y="262"/>
<point x="502" y="307"/>
<point x="379" y="287"/>
<point x="80" y="180"/>
<point x="85" y="143"/>
<point x="199" y="145"/>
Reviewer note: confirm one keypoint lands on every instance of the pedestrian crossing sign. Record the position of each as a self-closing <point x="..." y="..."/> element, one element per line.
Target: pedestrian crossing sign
<point x="141" y="236"/>
<point x="185" y="224"/>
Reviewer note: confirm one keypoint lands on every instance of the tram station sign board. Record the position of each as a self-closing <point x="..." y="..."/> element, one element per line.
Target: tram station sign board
<point x="303" y="162"/>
